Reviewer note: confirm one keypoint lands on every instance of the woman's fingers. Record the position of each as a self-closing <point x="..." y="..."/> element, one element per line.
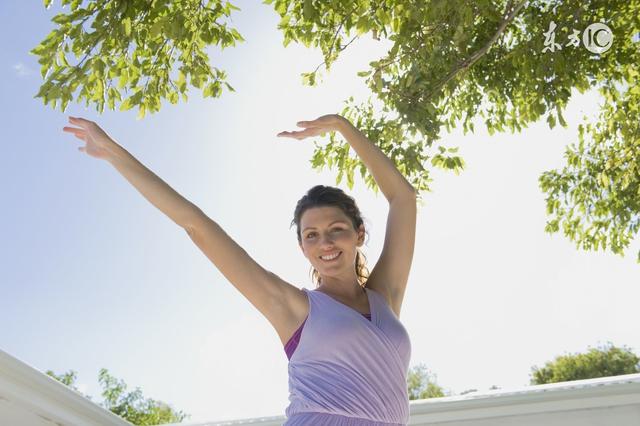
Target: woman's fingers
<point x="289" y="135"/>
<point x="301" y="134"/>
<point x="78" y="120"/>
<point x="74" y="130"/>
<point x="293" y="134"/>
<point x="78" y="133"/>
<point x="316" y="127"/>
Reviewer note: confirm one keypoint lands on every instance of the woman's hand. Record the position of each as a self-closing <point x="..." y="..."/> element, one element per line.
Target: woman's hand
<point x="99" y="144"/>
<point x="319" y="126"/>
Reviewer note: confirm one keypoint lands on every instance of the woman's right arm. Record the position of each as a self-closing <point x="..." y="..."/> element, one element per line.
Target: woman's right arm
<point x="265" y="290"/>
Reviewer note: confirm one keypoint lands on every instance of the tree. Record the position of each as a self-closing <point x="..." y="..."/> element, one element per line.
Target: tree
<point x="132" y="406"/>
<point x="68" y="379"/>
<point x="600" y="362"/>
<point x="452" y="63"/>
<point x="133" y="40"/>
<point x="420" y="384"/>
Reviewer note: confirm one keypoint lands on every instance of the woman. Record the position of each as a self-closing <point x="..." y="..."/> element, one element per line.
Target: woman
<point x="348" y="352"/>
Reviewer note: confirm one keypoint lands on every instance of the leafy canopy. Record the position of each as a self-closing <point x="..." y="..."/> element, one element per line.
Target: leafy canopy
<point x="452" y="63"/>
<point x="138" y="44"/>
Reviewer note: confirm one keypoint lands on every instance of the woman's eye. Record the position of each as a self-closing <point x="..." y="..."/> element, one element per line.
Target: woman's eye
<point x="313" y="234"/>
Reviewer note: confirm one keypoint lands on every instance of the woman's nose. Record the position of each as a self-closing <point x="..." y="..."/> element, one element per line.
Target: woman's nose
<point x="326" y="240"/>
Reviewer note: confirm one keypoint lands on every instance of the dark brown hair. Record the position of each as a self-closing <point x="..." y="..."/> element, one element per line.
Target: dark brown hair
<point x="321" y="196"/>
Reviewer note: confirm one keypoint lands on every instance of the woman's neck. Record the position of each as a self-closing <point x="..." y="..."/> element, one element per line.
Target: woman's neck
<point x="351" y="289"/>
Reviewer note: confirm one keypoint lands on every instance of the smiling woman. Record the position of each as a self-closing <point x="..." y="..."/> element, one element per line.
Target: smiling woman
<point x="330" y="227"/>
<point x="330" y="231"/>
<point x="368" y="357"/>
<point x="351" y="360"/>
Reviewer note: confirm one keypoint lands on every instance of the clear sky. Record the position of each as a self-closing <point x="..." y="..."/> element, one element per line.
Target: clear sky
<point x="94" y="276"/>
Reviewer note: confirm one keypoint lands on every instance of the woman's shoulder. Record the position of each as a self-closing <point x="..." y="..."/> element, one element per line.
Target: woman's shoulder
<point x="297" y="301"/>
<point x="293" y="309"/>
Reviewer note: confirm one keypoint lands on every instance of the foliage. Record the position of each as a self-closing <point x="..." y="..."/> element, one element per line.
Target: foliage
<point x="137" y="43"/>
<point x="455" y="63"/>
<point x="604" y="361"/>
<point x="132" y="407"/>
<point x="69" y="379"/>
<point x="596" y="196"/>
<point x="420" y="384"/>
<point x="451" y="63"/>
<point x="601" y="362"/>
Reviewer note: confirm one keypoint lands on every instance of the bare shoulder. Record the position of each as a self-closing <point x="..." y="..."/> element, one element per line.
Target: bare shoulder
<point x="292" y="310"/>
<point x="296" y="300"/>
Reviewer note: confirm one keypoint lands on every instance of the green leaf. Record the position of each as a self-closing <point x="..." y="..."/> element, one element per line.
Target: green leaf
<point x="62" y="58"/>
<point x="126" y="105"/>
<point x="309" y="12"/>
<point x="156" y="28"/>
<point x="141" y="112"/>
<point x="363" y="25"/>
<point x="126" y="26"/>
<point x="308" y="78"/>
<point x="284" y="21"/>
<point x="173" y="97"/>
<point x="551" y="120"/>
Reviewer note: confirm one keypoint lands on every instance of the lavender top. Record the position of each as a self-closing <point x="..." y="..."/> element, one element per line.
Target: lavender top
<point x="293" y="341"/>
<point x="348" y="370"/>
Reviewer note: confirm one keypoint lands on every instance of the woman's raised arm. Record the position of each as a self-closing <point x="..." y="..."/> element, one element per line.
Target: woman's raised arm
<point x="389" y="179"/>
<point x="390" y="274"/>
<point x="102" y="146"/>
<point x="265" y="290"/>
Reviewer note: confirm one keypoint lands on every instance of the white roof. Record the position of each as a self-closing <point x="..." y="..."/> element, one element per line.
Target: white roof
<point x="602" y="401"/>
<point x="29" y="397"/>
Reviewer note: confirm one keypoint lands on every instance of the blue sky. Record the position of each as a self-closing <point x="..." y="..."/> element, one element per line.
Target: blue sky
<point x="94" y="276"/>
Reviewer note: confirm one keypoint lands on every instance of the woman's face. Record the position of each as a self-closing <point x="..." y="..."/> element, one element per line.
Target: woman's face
<point x="326" y="232"/>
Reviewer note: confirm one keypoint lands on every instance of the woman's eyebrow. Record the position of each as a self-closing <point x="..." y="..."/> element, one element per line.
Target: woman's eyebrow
<point x="335" y="221"/>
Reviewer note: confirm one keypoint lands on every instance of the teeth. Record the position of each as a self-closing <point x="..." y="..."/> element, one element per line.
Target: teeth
<point x="330" y="257"/>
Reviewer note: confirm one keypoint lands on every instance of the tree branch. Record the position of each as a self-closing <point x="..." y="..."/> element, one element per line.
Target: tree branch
<point x="335" y="38"/>
<point x="477" y="55"/>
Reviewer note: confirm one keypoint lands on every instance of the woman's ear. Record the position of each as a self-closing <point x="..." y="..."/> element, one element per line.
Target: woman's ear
<point x="361" y="235"/>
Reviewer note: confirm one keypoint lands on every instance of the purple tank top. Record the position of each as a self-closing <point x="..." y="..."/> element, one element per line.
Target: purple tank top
<point x="346" y="369"/>
<point x="292" y="343"/>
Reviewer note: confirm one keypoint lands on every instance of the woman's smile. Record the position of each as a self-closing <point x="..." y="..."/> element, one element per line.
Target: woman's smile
<point x="331" y="257"/>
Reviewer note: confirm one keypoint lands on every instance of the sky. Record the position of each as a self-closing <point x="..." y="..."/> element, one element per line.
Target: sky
<point x="94" y="276"/>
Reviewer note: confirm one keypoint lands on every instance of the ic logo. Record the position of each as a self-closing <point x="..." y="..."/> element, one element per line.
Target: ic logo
<point x="597" y="38"/>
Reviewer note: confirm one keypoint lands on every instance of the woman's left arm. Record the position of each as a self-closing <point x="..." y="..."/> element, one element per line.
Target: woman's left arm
<point x="391" y="272"/>
<point x="391" y="182"/>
